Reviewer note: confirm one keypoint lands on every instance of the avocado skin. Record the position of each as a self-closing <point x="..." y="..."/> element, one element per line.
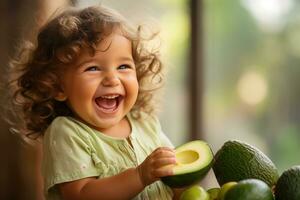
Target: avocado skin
<point x="183" y="180"/>
<point x="195" y="193"/>
<point x="237" y="161"/>
<point x="250" y="189"/>
<point x="288" y="185"/>
<point x="213" y="193"/>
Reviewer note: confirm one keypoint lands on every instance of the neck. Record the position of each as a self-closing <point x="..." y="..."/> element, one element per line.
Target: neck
<point x="121" y="130"/>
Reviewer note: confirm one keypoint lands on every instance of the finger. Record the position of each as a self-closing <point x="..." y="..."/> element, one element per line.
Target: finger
<point x="164" y="161"/>
<point x="166" y="149"/>
<point x="162" y="172"/>
<point x="163" y="152"/>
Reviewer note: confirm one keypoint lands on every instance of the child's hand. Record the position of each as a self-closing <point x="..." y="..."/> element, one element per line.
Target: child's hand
<point x="152" y="167"/>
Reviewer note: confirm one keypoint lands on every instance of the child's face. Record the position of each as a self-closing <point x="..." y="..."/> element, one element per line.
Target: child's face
<point x="101" y="89"/>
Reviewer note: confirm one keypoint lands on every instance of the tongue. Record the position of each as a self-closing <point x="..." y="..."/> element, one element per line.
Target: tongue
<point x="107" y="103"/>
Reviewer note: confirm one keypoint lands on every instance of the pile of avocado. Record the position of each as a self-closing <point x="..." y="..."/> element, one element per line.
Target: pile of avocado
<point x="242" y="171"/>
<point x="249" y="189"/>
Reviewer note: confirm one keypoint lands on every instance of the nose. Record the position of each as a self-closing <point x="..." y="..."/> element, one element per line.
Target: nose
<point x="110" y="79"/>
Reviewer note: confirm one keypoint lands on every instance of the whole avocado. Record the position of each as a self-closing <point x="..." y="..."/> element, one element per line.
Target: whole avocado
<point x="250" y="189"/>
<point x="213" y="193"/>
<point x="288" y="185"/>
<point x="194" y="193"/>
<point x="224" y="189"/>
<point x="237" y="161"/>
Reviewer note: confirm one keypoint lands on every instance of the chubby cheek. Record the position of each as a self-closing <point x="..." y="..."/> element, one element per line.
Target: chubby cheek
<point x="80" y="105"/>
<point x="81" y="98"/>
<point x="80" y="92"/>
<point x="133" y="88"/>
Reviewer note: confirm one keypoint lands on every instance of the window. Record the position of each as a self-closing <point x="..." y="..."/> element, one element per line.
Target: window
<point x="252" y="60"/>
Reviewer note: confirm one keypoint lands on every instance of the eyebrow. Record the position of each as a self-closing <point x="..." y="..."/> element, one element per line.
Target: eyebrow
<point x="125" y="58"/>
<point x="121" y="59"/>
<point x="83" y="63"/>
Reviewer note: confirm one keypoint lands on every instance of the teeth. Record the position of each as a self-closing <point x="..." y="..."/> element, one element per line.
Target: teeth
<point x="110" y="96"/>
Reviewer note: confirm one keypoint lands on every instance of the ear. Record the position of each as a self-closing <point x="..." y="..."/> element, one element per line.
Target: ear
<point x="60" y="96"/>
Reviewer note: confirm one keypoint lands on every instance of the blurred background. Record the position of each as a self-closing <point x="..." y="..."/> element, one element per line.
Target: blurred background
<point x="233" y="73"/>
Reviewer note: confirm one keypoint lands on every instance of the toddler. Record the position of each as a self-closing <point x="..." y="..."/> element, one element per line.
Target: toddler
<point x="85" y="88"/>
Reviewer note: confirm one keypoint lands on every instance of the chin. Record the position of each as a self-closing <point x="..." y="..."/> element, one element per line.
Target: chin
<point x="107" y="123"/>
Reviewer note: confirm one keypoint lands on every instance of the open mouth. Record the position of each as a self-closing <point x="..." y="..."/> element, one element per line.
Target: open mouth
<point x="109" y="103"/>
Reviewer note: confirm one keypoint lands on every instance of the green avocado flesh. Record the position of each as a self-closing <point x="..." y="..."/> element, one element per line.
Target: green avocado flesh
<point x="237" y="161"/>
<point x="250" y="189"/>
<point x="288" y="185"/>
<point x="194" y="159"/>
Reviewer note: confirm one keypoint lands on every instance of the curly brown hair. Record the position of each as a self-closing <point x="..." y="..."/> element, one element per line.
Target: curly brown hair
<point x="34" y="80"/>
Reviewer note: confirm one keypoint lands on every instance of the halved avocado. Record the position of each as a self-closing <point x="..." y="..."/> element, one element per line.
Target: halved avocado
<point x="194" y="159"/>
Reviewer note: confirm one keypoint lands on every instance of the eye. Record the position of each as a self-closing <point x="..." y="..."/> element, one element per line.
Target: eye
<point x="92" y="68"/>
<point x="125" y="66"/>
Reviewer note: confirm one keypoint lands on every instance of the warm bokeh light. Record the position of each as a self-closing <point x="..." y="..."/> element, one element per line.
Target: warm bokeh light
<point x="252" y="88"/>
<point x="269" y="13"/>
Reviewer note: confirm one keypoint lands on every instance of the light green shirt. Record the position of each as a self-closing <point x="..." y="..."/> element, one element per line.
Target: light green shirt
<point x="73" y="150"/>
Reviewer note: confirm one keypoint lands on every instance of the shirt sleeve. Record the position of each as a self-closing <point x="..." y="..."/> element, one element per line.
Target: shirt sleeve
<point x="67" y="154"/>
